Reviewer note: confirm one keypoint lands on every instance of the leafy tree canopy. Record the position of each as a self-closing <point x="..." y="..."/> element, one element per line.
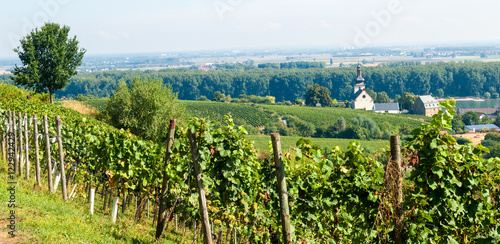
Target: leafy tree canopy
<point x="382" y="97"/>
<point x="49" y="58"/>
<point x="471" y="118"/>
<point x="407" y="100"/>
<point x="318" y="94"/>
<point x="145" y="107"/>
<point x="218" y="97"/>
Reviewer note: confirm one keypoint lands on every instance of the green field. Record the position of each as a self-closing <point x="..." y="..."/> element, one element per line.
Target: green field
<point x="261" y="142"/>
<point x="320" y="116"/>
<point x="260" y="115"/>
<point x="253" y="115"/>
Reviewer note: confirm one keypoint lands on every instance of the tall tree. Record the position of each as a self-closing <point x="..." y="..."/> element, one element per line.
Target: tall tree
<point x="407" y="100"/>
<point x="218" y="97"/>
<point x="371" y="93"/>
<point x="145" y="107"/>
<point x="382" y="97"/>
<point x="49" y="58"/>
<point x="471" y="118"/>
<point x="318" y="94"/>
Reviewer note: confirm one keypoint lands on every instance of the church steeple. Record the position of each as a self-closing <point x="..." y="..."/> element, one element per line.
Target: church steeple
<point x="360" y="77"/>
<point x="360" y="81"/>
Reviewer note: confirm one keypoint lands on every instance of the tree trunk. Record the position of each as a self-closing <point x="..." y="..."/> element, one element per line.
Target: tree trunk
<point x="50" y="95"/>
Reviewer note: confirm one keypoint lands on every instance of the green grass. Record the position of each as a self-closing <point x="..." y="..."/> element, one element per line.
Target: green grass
<point x="43" y="217"/>
<point x="261" y="142"/>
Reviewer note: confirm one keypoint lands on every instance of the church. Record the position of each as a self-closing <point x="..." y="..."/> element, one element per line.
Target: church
<point x="361" y="99"/>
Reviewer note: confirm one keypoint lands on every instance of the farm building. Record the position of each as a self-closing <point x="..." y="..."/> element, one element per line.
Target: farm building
<point x="426" y="105"/>
<point x="390" y="108"/>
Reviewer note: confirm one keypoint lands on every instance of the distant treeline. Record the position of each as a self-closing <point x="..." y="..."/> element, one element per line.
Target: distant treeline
<point x="454" y="79"/>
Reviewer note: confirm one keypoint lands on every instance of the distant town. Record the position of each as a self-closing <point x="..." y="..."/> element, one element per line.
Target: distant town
<point x="331" y="57"/>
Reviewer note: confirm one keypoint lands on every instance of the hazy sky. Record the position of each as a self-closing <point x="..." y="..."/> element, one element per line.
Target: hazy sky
<point x="126" y="26"/>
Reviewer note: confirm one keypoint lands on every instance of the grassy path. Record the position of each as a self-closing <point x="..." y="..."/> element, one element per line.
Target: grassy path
<point x="43" y="217"/>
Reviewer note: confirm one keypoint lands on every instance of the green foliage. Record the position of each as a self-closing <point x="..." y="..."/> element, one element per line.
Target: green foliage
<point x="457" y="122"/>
<point x="50" y="59"/>
<point x="492" y="142"/>
<point x="302" y="65"/>
<point x="318" y="94"/>
<point x="341" y="125"/>
<point x="332" y="196"/>
<point x="450" y="196"/>
<point x="455" y="79"/>
<point x="218" y="97"/>
<point x="145" y="108"/>
<point x="382" y="97"/>
<point x="252" y="115"/>
<point x="202" y="98"/>
<point x="463" y="141"/>
<point x="471" y="118"/>
<point x="371" y="93"/>
<point x="11" y="92"/>
<point x="369" y="124"/>
<point x="253" y="99"/>
<point x="407" y="100"/>
<point x="231" y="177"/>
<point x="320" y="117"/>
<point x="298" y="127"/>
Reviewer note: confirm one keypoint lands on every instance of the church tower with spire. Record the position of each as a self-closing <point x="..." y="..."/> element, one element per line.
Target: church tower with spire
<point x="361" y="98"/>
<point x="360" y="81"/>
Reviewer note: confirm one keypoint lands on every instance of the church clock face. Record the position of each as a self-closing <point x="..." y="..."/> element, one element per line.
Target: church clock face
<point x="364" y="96"/>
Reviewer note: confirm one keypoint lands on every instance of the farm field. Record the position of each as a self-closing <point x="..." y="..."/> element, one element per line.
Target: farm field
<point x="253" y="115"/>
<point x="319" y="116"/>
<point x="262" y="114"/>
<point x="261" y="142"/>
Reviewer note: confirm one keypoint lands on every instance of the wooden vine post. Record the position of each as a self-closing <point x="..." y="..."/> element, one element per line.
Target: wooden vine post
<point x="201" y="191"/>
<point x="37" y="157"/>
<point x="27" y="146"/>
<point x="47" y="148"/>
<point x="61" y="158"/>
<point x="10" y="148"/>
<point x="4" y="137"/>
<point x="398" y="181"/>
<point x="14" y="127"/>
<point x="21" y="144"/>
<point x="282" y="189"/>
<point x="162" y="214"/>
